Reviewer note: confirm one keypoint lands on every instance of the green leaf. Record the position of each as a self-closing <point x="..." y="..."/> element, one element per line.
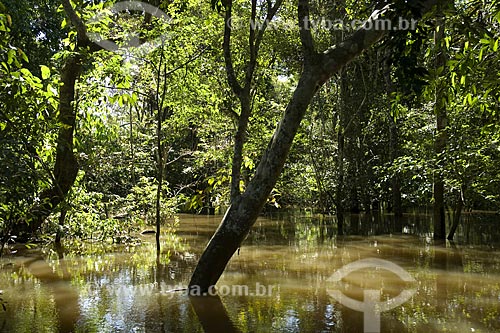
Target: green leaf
<point x="26" y="72"/>
<point x="23" y="55"/>
<point x="45" y="72"/>
<point x="11" y="55"/>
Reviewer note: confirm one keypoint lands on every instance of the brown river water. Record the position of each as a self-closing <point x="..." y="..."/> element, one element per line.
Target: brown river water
<point x="282" y="280"/>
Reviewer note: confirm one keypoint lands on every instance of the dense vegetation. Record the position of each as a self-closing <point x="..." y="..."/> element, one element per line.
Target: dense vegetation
<point x="94" y="142"/>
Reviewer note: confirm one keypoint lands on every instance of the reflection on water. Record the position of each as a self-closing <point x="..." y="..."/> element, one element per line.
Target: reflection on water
<point x="457" y="286"/>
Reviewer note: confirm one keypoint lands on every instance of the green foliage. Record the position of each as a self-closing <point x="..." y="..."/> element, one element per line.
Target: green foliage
<point x="27" y="110"/>
<point x="35" y="28"/>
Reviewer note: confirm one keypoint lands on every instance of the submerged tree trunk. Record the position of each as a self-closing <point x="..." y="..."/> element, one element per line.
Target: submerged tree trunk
<point x="66" y="165"/>
<point x="339" y="205"/>
<point x="457" y="214"/>
<point x="243" y="212"/>
<point x="393" y="152"/>
<point x="440" y="139"/>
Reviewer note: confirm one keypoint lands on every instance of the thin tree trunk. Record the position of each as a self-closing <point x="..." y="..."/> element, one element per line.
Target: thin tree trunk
<point x="440" y="140"/>
<point x="396" y="186"/>
<point x="393" y="152"/>
<point x="339" y="191"/>
<point x="158" y="102"/>
<point x="160" y="182"/>
<point x="339" y="205"/>
<point x="239" y="141"/>
<point x="132" y="152"/>
<point x="457" y="214"/>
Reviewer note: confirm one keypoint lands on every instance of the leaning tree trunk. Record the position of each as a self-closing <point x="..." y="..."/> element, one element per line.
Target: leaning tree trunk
<point x="66" y="165"/>
<point x="243" y="212"/>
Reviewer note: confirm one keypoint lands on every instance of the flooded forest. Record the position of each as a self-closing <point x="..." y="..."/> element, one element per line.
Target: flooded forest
<point x="227" y="166"/>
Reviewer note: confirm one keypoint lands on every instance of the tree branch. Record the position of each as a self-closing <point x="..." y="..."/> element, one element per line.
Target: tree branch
<point x="231" y="76"/>
<point x="256" y="40"/>
<point x="337" y="56"/>
<point x="305" y="31"/>
<point x="187" y="62"/>
<point x="271" y="12"/>
<point x="81" y="29"/>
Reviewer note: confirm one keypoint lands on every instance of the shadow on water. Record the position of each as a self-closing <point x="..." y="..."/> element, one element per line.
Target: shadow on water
<point x="286" y="263"/>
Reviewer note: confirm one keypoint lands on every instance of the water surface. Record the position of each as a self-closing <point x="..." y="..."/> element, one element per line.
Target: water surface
<point x="285" y="264"/>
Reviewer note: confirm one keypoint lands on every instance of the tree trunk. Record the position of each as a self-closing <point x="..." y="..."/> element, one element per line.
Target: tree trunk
<point x="457" y="214"/>
<point x="132" y="152"/>
<point x="243" y="212"/>
<point x="441" y="138"/>
<point x="339" y="191"/>
<point x="393" y="148"/>
<point x="239" y="141"/>
<point x="243" y="91"/>
<point x="396" y="186"/>
<point x="339" y="205"/>
<point x="66" y="165"/>
<point x="159" y="178"/>
<point x="62" y="220"/>
<point x="439" y="216"/>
